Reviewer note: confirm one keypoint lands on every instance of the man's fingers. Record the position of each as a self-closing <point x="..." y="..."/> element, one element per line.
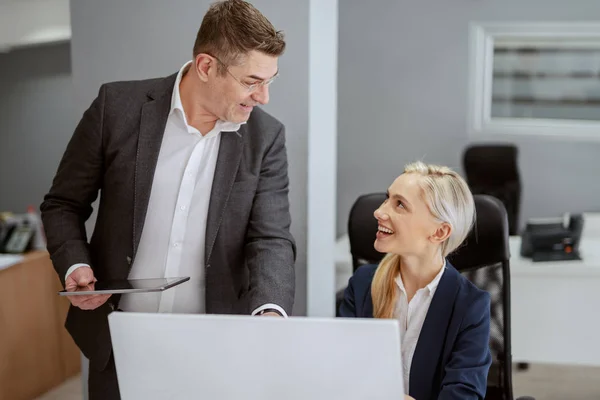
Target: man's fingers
<point x="84" y="279"/>
<point x="89" y="302"/>
<point x="94" y="299"/>
<point x="76" y="300"/>
<point x="94" y="302"/>
<point x="70" y="284"/>
<point x="82" y="276"/>
<point x="89" y="305"/>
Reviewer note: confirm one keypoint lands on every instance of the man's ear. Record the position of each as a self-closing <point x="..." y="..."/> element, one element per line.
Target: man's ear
<point x="204" y="63"/>
<point x="441" y="233"/>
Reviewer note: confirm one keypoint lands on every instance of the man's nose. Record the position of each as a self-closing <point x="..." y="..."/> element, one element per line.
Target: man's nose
<point x="261" y="95"/>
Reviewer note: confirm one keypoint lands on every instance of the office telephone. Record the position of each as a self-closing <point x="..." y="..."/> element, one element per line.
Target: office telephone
<point x="553" y="240"/>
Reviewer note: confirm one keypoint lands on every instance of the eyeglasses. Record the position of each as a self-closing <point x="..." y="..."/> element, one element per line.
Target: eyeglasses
<point x="252" y="87"/>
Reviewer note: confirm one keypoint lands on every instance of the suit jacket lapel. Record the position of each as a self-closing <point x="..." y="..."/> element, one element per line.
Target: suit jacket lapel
<point x="152" y="127"/>
<point x="367" y="310"/>
<point x="228" y="162"/>
<point x="431" y="340"/>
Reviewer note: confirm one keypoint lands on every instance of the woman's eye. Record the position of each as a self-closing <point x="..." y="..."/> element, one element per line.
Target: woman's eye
<point x="400" y="204"/>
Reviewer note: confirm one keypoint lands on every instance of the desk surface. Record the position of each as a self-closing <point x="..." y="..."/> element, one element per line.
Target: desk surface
<point x="9" y="260"/>
<point x="589" y="265"/>
<point x="591" y="225"/>
<point x="36" y="352"/>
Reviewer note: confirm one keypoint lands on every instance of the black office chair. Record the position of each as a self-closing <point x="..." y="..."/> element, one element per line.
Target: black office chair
<point x="362" y="228"/>
<point x="493" y="169"/>
<point x="483" y="258"/>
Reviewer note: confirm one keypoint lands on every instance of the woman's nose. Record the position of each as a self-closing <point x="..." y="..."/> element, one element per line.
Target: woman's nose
<point x="380" y="214"/>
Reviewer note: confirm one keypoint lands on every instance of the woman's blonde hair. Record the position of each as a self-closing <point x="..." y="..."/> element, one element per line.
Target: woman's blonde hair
<point x="449" y="200"/>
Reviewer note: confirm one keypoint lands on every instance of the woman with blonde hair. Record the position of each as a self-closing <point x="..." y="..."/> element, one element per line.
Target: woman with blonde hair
<point x="444" y="319"/>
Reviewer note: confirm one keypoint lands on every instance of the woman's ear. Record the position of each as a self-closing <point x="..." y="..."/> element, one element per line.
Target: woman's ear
<point x="441" y="233"/>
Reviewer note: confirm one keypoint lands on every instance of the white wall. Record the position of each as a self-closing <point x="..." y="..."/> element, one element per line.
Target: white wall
<point x="36" y="121"/>
<point x="33" y="22"/>
<point x="322" y="160"/>
<point x="403" y="86"/>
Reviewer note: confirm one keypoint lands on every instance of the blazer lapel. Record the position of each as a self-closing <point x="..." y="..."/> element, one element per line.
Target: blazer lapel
<point x="367" y="309"/>
<point x="431" y="340"/>
<point x="152" y="127"/>
<point x="228" y="162"/>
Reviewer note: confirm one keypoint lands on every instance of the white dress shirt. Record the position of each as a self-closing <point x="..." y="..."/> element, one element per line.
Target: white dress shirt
<point x="411" y="316"/>
<point x="172" y="243"/>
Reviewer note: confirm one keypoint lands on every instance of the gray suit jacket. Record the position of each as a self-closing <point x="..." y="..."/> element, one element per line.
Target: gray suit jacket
<point x="250" y="252"/>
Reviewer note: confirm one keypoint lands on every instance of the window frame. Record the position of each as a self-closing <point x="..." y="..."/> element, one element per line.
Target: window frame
<point x="482" y="38"/>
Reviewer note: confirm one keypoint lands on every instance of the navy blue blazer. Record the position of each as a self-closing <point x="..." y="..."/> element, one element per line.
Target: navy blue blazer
<point x="452" y="357"/>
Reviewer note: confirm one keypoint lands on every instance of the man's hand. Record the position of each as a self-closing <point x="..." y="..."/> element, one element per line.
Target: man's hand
<point x="407" y="397"/>
<point x="82" y="279"/>
<point x="271" y="314"/>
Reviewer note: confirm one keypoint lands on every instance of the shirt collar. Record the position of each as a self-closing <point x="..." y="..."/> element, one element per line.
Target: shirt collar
<point x="220" y="126"/>
<point x="431" y="286"/>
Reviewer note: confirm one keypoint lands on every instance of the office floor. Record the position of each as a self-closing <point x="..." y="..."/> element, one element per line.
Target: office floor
<point x="549" y="382"/>
<point x="544" y="382"/>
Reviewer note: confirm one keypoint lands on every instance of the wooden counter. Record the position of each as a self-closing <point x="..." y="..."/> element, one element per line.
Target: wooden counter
<point x="36" y="352"/>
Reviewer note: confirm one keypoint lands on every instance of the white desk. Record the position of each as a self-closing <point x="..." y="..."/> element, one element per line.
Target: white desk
<point x="555" y="306"/>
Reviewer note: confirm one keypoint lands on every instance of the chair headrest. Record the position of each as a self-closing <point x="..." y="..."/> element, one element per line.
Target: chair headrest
<point x="362" y="227"/>
<point x="486" y="164"/>
<point x="487" y="242"/>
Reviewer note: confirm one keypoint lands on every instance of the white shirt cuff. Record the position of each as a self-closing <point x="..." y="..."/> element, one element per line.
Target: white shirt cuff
<point x="269" y="305"/>
<point x="74" y="267"/>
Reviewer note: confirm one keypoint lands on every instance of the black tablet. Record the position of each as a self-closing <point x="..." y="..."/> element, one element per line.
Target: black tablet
<point x="127" y="286"/>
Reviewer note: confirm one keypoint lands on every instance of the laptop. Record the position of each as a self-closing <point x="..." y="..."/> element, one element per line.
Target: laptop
<point x="189" y="356"/>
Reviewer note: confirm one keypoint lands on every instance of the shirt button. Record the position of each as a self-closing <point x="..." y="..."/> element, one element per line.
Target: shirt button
<point x="182" y="208"/>
<point x="175" y="244"/>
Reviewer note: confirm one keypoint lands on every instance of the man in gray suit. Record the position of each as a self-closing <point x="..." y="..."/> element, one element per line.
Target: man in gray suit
<point x="193" y="182"/>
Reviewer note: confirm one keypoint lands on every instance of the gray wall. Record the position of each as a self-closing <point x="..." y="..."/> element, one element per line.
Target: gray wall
<point x="136" y="39"/>
<point x="403" y="95"/>
<point x="36" y="121"/>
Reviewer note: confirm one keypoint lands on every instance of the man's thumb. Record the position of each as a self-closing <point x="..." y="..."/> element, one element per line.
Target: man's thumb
<point x="83" y="279"/>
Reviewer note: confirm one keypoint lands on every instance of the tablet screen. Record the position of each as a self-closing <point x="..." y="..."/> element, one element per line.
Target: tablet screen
<point x="127" y="286"/>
